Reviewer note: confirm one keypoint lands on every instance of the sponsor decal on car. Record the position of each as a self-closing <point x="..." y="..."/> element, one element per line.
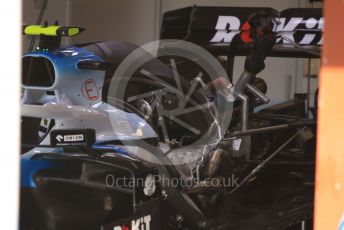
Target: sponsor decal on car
<point x="70" y="138"/>
<point x="228" y="26"/>
<point x="142" y="223"/>
<point x="85" y="137"/>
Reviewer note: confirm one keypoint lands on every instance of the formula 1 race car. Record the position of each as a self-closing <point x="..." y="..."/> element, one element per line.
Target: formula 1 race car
<point x="116" y="136"/>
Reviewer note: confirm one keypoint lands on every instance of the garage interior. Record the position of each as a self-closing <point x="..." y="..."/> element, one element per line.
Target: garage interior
<point x="287" y="79"/>
<point x="139" y="22"/>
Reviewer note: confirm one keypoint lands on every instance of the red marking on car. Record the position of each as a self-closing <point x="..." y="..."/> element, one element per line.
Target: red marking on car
<point x="124" y="227"/>
<point x="90" y="90"/>
<point x="246" y="33"/>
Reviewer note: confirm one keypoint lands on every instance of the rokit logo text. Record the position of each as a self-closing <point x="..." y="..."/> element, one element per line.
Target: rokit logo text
<point x="228" y="26"/>
<point x="142" y="223"/>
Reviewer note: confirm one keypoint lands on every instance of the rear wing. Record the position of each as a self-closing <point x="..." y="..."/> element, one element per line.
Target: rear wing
<point x="215" y="27"/>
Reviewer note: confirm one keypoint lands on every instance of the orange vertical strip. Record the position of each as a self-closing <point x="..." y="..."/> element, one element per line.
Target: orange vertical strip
<point x="329" y="198"/>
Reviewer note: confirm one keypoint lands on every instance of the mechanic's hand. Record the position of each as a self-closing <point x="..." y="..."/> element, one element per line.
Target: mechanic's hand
<point x="219" y="83"/>
<point x="261" y="47"/>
